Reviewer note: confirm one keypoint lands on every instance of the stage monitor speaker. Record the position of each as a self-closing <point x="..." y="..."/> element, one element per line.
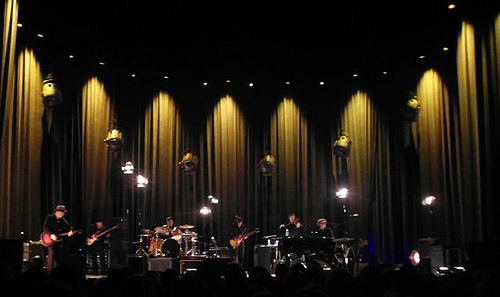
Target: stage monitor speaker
<point x="441" y="255"/>
<point x="11" y="251"/>
<point x="262" y="257"/>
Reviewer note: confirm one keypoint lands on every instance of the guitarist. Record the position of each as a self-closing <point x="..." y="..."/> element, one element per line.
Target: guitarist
<point x="98" y="247"/>
<point x="55" y="224"/>
<point x="238" y="229"/>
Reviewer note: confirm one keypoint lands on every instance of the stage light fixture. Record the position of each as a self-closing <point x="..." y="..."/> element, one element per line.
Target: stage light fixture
<point x="342" y="193"/>
<point x="342" y="145"/>
<point x="266" y="164"/>
<point x="411" y="109"/>
<point x="114" y="139"/>
<point x="142" y="182"/>
<point x="51" y="94"/>
<point x="189" y="162"/>
<point x="212" y="199"/>
<point x="415" y="257"/>
<point x="205" y="211"/>
<point x="128" y="168"/>
<point x="428" y="201"/>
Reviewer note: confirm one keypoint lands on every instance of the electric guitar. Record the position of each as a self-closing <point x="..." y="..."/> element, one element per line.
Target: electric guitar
<point x="236" y="241"/>
<point x="94" y="237"/>
<point x="48" y="241"/>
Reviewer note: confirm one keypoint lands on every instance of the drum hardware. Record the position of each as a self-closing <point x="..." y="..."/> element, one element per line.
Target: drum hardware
<point x="144" y="242"/>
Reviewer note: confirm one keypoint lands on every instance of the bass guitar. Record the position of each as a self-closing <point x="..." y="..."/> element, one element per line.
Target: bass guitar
<point x="236" y="241"/>
<point x="48" y="241"/>
<point x="94" y="237"/>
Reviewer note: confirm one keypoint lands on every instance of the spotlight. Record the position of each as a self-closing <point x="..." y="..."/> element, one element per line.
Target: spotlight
<point x="342" y="193"/>
<point x="342" y="145"/>
<point x="128" y="168"/>
<point x="415" y="258"/>
<point x="266" y="164"/>
<point x="428" y="201"/>
<point x="213" y="199"/>
<point x="189" y="162"/>
<point x="205" y="211"/>
<point x="114" y="139"/>
<point x="411" y="109"/>
<point x="50" y="92"/>
<point x="142" y="182"/>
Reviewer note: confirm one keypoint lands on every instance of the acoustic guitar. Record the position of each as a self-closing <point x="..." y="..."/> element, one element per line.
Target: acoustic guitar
<point x="236" y="241"/>
<point x="94" y="237"/>
<point x="48" y="241"/>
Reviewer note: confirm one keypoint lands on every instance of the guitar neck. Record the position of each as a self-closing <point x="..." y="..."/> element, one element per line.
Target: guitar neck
<point x="107" y="231"/>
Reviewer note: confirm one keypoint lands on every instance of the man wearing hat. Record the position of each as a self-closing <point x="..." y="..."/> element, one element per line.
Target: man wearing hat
<point x="56" y="224"/>
<point x="237" y="230"/>
<point x="97" y="247"/>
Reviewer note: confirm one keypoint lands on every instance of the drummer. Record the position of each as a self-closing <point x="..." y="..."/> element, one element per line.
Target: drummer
<point x="167" y="231"/>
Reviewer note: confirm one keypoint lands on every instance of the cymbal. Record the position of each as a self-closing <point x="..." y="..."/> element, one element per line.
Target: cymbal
<point x="343" y="239"/>
<point x="147" y="231"/>
<point x="185" y="227"/>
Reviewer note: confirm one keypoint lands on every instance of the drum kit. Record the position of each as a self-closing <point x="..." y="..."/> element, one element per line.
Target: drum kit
<point x="164" y="241"/>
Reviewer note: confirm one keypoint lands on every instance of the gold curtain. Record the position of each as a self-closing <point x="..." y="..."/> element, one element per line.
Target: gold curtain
<point x="469" y="192"/>
<point x="225" y="161"/>
<point x="96" y="114"/>
<point x="433" y="140"/>
<point x="359" y="120"/>
<point x="163" y="148"/>
<point x="289" y="143"/>
<point x="11" y="10"/>
<point x="21" y="149"/>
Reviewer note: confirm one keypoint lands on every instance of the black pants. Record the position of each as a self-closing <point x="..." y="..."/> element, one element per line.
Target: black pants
<point x="98" y="249"/>
<point x="239" y="253"/>
<point x="55" y="254"/>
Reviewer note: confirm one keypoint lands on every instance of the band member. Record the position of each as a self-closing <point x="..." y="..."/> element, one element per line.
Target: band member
<point x="98" y="245"/>
<point x="299" y="229"/>
<point x="287" y="229"/>
<point x="169" y="230"/>
<point x="323" y="230"/>
<point x="238" y="229"/>
<point x="56" y="224"/>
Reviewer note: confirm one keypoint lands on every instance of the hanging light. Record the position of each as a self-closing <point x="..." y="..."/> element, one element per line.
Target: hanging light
<point x="212" y="199"/>
<point x="266" y="164"/>
<point x="342" y="193"/>
<point x="205" y="211"/>
<point x="428" y="201"/>
<point x="51" y="94"/>
<point x="189" y="162"/>
<point x="114" y="139"/>
<point x="128" y="168"/>
<point x="142" y="182"/>
<point x="342" y="145"/>
<point x="411" y="109"/>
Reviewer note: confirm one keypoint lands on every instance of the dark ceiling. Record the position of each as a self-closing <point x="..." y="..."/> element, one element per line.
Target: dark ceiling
<point x="160" y="38"/>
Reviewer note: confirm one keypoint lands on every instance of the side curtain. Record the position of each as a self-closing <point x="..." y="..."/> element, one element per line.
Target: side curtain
<point x="20" y="149"/>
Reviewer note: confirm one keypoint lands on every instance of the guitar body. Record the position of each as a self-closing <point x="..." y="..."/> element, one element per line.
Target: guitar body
<point x="236" y="241"/>
<point x="45" y="239"/>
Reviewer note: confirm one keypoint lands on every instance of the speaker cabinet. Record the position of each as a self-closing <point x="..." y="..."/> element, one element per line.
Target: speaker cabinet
<point x="161" y="264"/>
<point x="12" y="251"/>
<point x="262" y="256"/>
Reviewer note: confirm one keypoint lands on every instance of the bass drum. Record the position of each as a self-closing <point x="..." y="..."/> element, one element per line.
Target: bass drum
<point x="171" y="248"/>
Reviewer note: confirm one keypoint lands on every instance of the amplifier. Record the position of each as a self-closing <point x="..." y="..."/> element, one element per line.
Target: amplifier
<point x="160" y="264"/>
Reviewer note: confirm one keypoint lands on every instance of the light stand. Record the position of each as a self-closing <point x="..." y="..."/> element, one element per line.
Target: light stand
<point x="429" y="203"/>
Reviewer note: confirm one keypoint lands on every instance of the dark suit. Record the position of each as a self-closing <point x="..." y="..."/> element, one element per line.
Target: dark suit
<point x="58" y="249"/>
<point x="240" y="250"/>
<point x="98" y="248"/>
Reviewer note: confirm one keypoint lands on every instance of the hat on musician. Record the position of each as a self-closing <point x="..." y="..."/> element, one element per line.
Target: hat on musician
<point x="170" y="218"/>
<point x="61" y="208"/>
<point x="238" y="218"/>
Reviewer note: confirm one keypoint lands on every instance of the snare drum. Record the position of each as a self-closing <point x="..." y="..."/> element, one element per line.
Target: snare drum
<point x="170" y="248"/>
